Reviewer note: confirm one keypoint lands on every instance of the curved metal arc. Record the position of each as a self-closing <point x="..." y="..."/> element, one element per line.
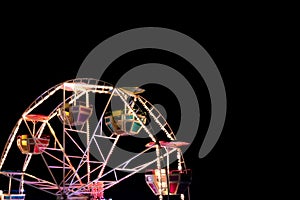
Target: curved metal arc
<point x="143" y="101"/>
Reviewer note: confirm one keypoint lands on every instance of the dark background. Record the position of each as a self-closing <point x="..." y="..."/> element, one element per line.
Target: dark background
<point x="38" y="53"/>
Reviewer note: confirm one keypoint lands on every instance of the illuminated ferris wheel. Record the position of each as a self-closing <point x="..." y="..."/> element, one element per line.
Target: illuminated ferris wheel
<point x="64" y="151"/>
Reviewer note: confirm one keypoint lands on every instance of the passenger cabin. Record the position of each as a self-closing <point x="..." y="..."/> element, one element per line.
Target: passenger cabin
<point x="178" y="181"/>
<point x="75" y="115"/>
<point x="12" y="196"/>
<point x="29" y="145"/>
<point x="124" y="123"/>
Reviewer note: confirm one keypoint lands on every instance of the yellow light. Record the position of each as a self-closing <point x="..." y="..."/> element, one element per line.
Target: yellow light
<point x="24" y="143"/>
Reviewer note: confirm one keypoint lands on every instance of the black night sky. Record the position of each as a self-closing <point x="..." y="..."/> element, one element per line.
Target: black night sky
<point x="38" y="55"/>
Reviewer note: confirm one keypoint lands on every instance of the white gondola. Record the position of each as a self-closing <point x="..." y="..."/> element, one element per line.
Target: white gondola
<point x="75" y="115"/>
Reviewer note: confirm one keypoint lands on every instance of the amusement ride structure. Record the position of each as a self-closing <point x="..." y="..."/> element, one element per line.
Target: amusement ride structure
<point x="61" y="148"/>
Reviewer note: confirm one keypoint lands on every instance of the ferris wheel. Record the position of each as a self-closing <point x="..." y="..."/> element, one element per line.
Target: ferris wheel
<point x="64" y="151"/>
